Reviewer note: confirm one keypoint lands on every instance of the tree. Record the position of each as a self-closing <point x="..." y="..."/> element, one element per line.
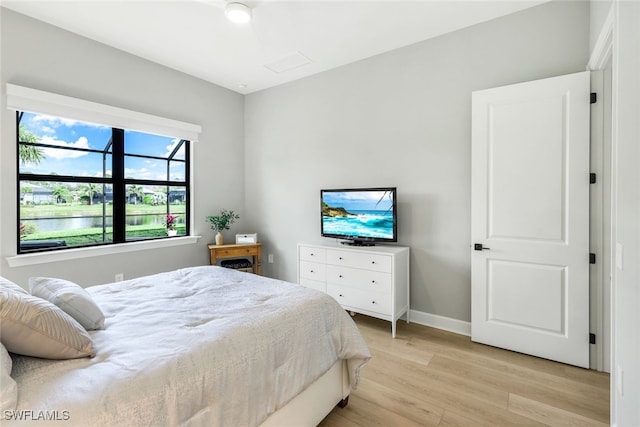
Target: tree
<point x="61" y="194"/>
<point x="159" y="199"/>
<point x="26" y="190"/>
<point x="90" y="190"/>
<point x="135" y="191"/>
<point x="29" y="153"/>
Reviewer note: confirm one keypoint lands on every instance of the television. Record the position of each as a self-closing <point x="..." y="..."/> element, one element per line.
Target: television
<point x="360" y="216"/>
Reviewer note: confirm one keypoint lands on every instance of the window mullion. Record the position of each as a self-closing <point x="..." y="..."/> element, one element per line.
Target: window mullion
<point x="187" y="158"/>
<point x="119" y="191"/>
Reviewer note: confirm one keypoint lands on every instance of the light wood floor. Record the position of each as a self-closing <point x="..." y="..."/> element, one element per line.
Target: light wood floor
<point x="429" y="377"/>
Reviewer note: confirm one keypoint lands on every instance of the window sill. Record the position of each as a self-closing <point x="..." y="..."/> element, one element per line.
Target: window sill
<point x="73" y="254"/>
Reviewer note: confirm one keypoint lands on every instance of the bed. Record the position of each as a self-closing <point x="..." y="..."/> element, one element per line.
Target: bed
<point x="201" y="346"/>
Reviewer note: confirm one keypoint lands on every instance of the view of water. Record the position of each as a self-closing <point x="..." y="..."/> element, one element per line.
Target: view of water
<point x="74" y="223"/>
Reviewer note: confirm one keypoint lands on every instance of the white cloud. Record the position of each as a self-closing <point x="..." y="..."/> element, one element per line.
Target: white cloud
<point x="53" y="153"/>
<point x="141" y="173"/>
<point x="55" y="122"/>
<point x="172" y="146"/>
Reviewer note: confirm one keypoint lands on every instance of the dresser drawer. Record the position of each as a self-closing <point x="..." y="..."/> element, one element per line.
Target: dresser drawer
<point x="310" y="253"/>
<point x="361" y="300"/>
<point x="312" y="270"/>
<point x="366" y="280"/>
<point x="367" y="261"/>
<point x="314" y="284"/>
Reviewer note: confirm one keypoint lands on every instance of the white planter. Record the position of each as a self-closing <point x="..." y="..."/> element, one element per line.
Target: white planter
<point x="219" y="239"/>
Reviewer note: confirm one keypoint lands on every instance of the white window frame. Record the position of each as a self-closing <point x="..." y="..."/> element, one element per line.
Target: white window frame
<point x="20" y="98"/>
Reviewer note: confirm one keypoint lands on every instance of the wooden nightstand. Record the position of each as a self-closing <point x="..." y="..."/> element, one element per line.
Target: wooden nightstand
<point x="238" y="250"/>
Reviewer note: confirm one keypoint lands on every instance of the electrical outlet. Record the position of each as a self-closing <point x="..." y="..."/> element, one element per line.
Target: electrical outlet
<point x="618" y="256"/>
<point x="619" y="381"/>
<point x="270" y="258"/>
<point x="119" y="277"/>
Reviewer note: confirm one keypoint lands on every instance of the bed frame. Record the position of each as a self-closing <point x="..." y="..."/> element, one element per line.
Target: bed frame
<point x="317" y="401"/>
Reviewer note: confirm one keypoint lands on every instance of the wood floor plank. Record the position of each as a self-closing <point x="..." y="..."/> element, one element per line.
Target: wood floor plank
<point x="369" y="414"/>
<point x="596" y="379"/>
<point x="414" y="408"/>
<point x="548" y="414"/>
<point x="432" y="384"/>
<point x="461" y="417"/>
<point x="453" y="418"/>
<point x="336" y="419"/>
<point x="401" y="347"/>
<point x="431" y="377"/>
<point x="454" y="344"/>
<point x="564" y="393"/>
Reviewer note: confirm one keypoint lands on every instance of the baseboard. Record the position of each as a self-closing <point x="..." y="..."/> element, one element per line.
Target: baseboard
<point x="441" y="322"/>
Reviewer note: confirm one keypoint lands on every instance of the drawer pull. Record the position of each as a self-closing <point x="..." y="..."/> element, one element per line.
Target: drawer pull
<point x="340" y="258"/>
<point x="373" y="262"/>
<point x="340" y="294"/>
<point x="311" y="254"/>
<point x="340" y="276"/>
<point x="311" y="271"/>
<point x="373" y="282"/>
<point x="373" y="302"/>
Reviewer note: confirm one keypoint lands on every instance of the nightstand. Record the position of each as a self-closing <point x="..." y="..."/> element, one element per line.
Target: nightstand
<point x="253" y="250"/>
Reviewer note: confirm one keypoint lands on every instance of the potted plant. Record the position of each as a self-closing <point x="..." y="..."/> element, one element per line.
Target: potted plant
<point x="222" y="222"/>
<point x="171" y="225"/>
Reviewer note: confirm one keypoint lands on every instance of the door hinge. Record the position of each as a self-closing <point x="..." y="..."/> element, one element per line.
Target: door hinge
<point x="592" y="178"/>
<point x="594" y="97"/>
<point x="592" y="338"/>
<point x="592" y="258"/>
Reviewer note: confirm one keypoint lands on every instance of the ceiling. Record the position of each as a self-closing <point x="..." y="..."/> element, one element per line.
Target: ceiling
<point x="285" y="41"/>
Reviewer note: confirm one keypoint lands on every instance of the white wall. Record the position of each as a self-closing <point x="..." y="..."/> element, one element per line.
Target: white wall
<point x="398" y="119"/>
<point x="625" y="387"/>
<point x="615" y="36"/>
<point x="44" y="57"/>
<point x="599" y="10"/>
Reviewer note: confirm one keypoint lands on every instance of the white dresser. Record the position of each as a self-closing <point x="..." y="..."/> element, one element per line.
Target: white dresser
<point x="371" y="280"/>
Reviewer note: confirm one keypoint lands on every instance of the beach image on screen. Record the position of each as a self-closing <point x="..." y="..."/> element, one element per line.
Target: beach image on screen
<point x="358" y="213"/>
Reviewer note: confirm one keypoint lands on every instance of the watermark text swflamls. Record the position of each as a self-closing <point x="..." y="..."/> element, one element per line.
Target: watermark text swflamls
<point x="28" y="415"/>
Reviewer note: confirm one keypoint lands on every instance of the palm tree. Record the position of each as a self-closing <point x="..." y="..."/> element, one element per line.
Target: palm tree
<point x="29" y="153"/>
<point x="61" y="194"/>
<point x="90" y="190"/>
<point x="135" y="191"/>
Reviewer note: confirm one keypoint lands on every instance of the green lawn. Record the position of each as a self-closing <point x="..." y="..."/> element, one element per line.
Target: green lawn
<point x="88" y="236"/>
<point x="77" y="209"/>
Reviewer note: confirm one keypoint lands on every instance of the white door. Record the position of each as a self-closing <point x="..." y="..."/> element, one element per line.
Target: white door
<point x="530" y="218"/>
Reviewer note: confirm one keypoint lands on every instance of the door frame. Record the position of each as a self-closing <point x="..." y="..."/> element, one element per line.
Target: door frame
<point x="601" y="222"/>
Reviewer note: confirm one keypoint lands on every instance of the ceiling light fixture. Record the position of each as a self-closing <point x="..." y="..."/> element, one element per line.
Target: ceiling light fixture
<point x="238" y="12"/>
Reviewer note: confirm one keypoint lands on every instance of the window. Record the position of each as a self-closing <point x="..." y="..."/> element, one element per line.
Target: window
<point x="82" y="184"/>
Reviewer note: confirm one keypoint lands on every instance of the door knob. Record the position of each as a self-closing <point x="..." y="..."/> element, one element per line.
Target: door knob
<point x="479" y="247"/>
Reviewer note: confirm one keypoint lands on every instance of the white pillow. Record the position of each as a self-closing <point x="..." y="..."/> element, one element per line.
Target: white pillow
<point x="8" y="386"/>
<point x="9" y="285"/>
<point x="34" y="327"/>
<point x="71" y="298"/>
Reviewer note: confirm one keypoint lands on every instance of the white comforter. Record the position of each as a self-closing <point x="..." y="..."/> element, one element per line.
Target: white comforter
<point x="199" y="346"/>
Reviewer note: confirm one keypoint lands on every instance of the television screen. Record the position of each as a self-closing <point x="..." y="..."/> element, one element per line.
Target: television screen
<point x="363" y="216"/>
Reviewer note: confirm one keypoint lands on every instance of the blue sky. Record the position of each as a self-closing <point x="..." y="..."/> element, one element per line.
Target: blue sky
<point x="71" y="133"/>
<point x="358" y="200"/>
